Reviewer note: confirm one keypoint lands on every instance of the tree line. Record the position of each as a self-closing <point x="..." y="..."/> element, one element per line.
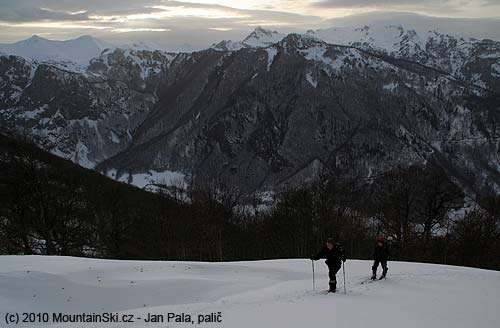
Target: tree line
<point x="50" y="206"/>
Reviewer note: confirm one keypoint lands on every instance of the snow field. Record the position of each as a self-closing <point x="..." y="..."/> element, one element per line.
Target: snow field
<point x="276" y="293"/>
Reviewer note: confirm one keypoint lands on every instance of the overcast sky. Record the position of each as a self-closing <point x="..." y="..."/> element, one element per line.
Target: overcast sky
<point x="201" y="22"/>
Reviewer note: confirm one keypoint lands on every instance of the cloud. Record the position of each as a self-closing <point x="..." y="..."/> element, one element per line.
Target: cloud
<point x="222" y="29"/>
<point x="125" y="21"/>
<point x="128" y="30"/>
<point x="36" y="10"/>
<point x="71" y="10"/>
<point x="378" y="3"/>
<point x="121" y="13"/>
<point x="19" y="12"/>
<point x="199" y="23"/>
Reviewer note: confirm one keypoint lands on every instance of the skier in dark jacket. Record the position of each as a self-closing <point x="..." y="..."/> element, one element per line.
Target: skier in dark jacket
<point x="334" y="254"/>
<point x="380" y="255"/>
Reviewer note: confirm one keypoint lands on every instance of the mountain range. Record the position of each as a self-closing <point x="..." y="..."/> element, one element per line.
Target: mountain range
<point x="265" y="113"/>
<point x="79" y="51"/>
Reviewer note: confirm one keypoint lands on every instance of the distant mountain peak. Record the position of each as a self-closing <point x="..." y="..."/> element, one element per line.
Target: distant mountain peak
<point x="79" y="50"/>
<point x="261" y="37"/>
<point x="86" y="37"/>
<point x="301" y="41"/>
<point x="35" y="37"/>
<point x="228" y="45"/>
<point x="261" y="32"/>
<point x="258" y="38"/>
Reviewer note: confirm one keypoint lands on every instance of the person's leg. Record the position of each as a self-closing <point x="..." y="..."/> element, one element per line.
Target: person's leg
<point x="333" y="281"/>
<point x="374" y="269"/>
<point x="332" y="274"/>
<point x="384" y="268"/>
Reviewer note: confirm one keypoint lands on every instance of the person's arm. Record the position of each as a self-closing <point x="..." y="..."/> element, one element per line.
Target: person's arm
<point x="320" y="254"/>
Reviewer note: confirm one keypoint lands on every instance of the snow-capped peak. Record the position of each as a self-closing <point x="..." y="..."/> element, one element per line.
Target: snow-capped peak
<point x="79" y="50"/>
<point x="384" y="37"/>
<point x="34" y="39"/>
<point x="261" y="37"/>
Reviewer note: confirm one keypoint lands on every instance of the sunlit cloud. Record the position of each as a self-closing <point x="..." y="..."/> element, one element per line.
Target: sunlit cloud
<point x="108" y="19"/>
<point x="85" y="25"/>
<point x="221" y="29"/>
<point x="266" y="23"/>
<point x="62" y="25"/>
<point x="186" y="11"/>
<point x="79" y="12"/>
<point x="164" y="12"/>
<point x="127" y="30"/>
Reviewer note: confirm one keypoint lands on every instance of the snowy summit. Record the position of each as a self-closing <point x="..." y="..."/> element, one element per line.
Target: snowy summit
<point x="79" y="50"/>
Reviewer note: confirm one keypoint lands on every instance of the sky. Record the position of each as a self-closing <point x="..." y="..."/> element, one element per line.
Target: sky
<point x="198" y="23"/>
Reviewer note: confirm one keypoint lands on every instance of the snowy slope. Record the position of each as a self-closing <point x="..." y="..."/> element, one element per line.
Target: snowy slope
<point x="478" y="28"/>
<point x="251" y="294"/>
<point x="79" y="50"/>
<point x="259" y="38"/>
<point x="142" y="45"/>
<point x="379" y="36"/>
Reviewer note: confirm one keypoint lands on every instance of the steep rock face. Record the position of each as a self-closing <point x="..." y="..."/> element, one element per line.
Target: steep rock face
<point x="262" y="118"/>
<point x="83" y="116"/>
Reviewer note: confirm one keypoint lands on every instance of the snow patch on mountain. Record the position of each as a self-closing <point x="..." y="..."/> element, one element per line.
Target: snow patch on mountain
<point x="143" y="180"/>
<point x="390" y="86"/>
<point x="319" y="54"/>
<point x="316" y="53"/>
<point x="271" y="53"/>
<point x="33" y="114"/>
<point x="496" y="67"/>
<point x="81" y="156"/>
<point x="142" y="45"/>
<point x="311" y="80"/>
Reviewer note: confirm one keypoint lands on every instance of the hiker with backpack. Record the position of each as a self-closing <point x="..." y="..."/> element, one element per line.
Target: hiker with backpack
<point x="334" y="255"/>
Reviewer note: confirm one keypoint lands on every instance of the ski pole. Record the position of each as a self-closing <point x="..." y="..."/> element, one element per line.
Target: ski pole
<point x="314" y="284"/>
<point x="343" y="270"/>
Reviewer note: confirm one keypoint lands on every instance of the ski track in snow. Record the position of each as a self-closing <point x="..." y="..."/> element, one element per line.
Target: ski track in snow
<point x="275" y="293"/>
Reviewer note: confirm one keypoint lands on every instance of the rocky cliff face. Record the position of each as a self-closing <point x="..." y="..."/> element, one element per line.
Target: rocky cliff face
<point x="268" y="116"/>
<point x="86" y="116"/>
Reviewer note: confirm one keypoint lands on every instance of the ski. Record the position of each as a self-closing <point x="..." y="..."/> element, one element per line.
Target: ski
<point x="368" y="281"/>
